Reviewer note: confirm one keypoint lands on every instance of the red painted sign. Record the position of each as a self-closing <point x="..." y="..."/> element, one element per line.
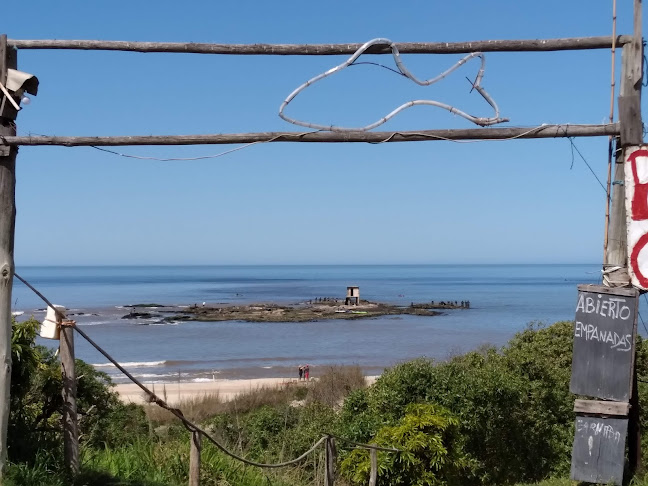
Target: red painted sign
<point x="636" y="186"/>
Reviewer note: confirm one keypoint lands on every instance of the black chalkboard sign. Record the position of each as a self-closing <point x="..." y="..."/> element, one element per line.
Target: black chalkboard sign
<point x="605" y="331"/>
<point x="598" y="454"/>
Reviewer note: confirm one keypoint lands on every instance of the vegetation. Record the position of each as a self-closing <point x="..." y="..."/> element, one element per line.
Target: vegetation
<point x="491" y="416"/>
<point x="431" y="449"/>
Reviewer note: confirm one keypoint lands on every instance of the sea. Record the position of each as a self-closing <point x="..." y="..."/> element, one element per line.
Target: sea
<point x="504" y="299"/>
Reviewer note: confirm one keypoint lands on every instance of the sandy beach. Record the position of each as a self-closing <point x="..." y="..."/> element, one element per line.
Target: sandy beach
<point x="226" y="389"/>
<point x="175" y="392"/>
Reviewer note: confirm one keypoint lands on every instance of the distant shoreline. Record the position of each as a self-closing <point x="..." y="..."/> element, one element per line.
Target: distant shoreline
<point x="224" y="389"/>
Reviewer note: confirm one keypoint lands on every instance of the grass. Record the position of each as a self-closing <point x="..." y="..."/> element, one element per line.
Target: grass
<point x="150" y="463"/>
<point x="334" y="383"/>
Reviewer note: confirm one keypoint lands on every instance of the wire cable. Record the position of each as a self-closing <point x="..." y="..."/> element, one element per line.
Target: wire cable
<point x="190" y="426"/>
<point x="574" y="147"/>
<point x="481" y="121"/>
<point x="642" y="321"/>
<point x="200" y="157"/>
<point x="169" y="159"/>
<point x="392" y="135"/>
<point x="439" y="137"/>
<point x="396" y="71"/>
<point x="158" y="401"/>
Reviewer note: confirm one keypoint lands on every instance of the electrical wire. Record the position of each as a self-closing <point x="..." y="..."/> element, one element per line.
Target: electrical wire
<point x="439" y="137"/>
<point x="642" y="321"/>
<point x="185" y="159"/>
<point x="170" y="159"/>
<point x="574" y="147"/>
<point x="481" y="121"/>
<point x="396" y="71"/>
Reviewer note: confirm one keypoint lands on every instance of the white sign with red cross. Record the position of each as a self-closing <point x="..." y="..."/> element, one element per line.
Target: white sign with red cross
<point x="636" y="191"/>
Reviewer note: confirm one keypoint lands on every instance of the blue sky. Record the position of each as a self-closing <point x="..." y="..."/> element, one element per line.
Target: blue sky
<point x="426" y="202"/>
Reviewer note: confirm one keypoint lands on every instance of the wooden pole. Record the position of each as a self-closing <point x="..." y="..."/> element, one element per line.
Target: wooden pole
<point x="331" y="461"/>
<point x="506" y="45"/>
<point x="373" y="476"/>
<point x="616" y="257"/>
<point x="68" y="374"/>
<point x="7" y="226"/>
<point x="508" y="133"/>
<point x="194" y="458"/>
<point x="632" y="134"/>
<point x="615" y="265"/>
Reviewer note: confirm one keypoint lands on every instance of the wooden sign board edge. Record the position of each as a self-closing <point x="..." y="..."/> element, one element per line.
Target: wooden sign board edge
<point x="600" y="289"/>
<point x="602" y="407"/>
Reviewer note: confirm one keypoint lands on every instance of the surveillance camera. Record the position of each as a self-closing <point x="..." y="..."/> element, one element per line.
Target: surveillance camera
<point x="18" y="83"/>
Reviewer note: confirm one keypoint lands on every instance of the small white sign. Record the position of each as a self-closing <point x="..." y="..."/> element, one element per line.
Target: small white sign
<point x="636" y="192"/>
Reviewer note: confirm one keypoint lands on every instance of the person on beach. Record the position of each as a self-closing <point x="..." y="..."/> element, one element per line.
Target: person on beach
<point x="306" y="372"/>
<point x="301" y="372"/>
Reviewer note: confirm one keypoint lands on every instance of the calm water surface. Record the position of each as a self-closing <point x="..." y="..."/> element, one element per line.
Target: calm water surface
<point x="504" y="298"/>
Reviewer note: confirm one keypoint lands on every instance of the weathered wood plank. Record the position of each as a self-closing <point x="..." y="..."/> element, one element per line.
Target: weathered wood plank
<point x="331" y="462"/>
<point x="544" y="131"/>
<point x="630" y="95"/>
<point x="635" y="136"/>
<point x="69" y="416"/>
<point x="7" y="227"/>
<point x="194" y="458"/>
<point x="373" y="475"/>
<point x="605" y="290"/>
<point x="503" y="45"/>
<point x="630" y="110"/>
<point x="602" y="407"/>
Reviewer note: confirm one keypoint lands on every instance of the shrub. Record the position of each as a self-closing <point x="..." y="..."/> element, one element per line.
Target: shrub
<point x="430" y="451"/>
<point x="36" y="403"/>
<point x="513" y="404"/>
<point x="335" y="383"/>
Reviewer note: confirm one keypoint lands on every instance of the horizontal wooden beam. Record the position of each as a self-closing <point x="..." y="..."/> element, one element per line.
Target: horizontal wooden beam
<point x="574" y="43"/>
<point x="509" y="133"/>
<point x="601" y="289"/>
<point x="599" y="407"/>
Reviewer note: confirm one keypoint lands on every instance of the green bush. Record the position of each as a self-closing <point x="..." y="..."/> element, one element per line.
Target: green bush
<point x="431" y="452"/>
<point x="36" y="403"/>
<point x="513" y="405"/>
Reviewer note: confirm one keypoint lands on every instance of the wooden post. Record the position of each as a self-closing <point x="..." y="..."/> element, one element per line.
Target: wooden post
<point x="68" y="374"/>
<point x="632" y="134"/>
<point x="194" y="458"/>
<point x="373" y="476"/>
<point x="331" y="460"/>
<point x="7" y="227"/>
<point x="616" y="255"/>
